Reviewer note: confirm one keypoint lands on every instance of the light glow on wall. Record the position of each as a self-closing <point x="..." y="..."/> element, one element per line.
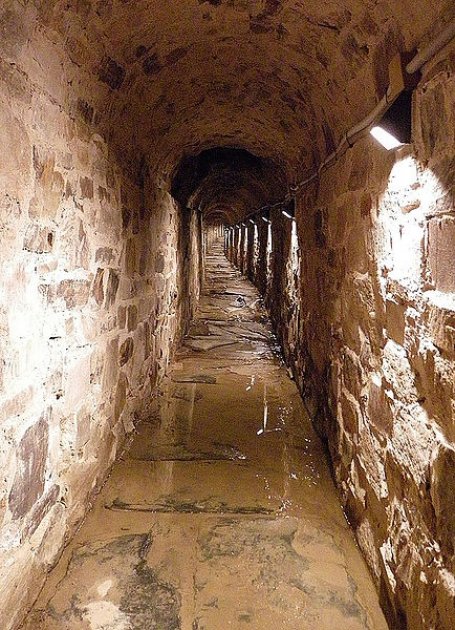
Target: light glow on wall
<point x="269" y="239"/>
<point x="255" y="247"/>
<point x="403" y="214"/>
<point x="294" y="239"/>
<point x="269" y="248"/>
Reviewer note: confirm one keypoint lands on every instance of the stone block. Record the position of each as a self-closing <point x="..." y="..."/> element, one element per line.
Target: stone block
<point x="83" y="428"/>
<point x="15" y="155"/>
<point x="433" y="128"/>
<point x="111" y="364"/>
<point x="38" y="239"/>
<point x="357" y="257"/>
<point x="126" y="351"/>
<point x="111" y="73"/>
<point x="16" y="405"/>
<point x="396" y="319"/>
<point x="47" y="265"/>
<point x="112" y="284"/>
<point x="28" y="483"/>
<point x="441" y="245"/>
<point x="412" y="442"/>
<point x="359" y="171"/>
<point x="398" y="373"/>
<point x="442" y="197"/>
<point x="121" y="317"/>
<point x="442" y="492"/>
<point x="98" y="286"/>
<point x="350" y="411"/>
<point x="74" y="292"/>
<point x="159" y="263"/>
<point x="40" y="509"/>
<point x="73" y="244"/>
<point x="77" y="380"/>
<point x="445" y="598"/>
<point x="86" y="186"/>
<point x="380" y="413"/>
<point x="436" y="387"/>
<point x="51" y="184"/>
<point x="352" y="373"/>
<point x="131" y="257"/>
<point x="371" y="459"/>
<point x="104" y="255"/>
<point x="120" y="396"/>
<point x="441" y="324"/>
<point x="132" y="317"/>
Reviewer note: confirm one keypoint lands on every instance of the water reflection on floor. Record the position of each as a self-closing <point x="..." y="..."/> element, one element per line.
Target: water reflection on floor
<point x="222" y="514"/>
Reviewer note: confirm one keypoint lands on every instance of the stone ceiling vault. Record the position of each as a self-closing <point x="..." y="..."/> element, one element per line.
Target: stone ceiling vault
<point x="282" y="79"/>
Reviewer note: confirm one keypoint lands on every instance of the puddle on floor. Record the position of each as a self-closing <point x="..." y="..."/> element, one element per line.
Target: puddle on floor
<point x="222" y="513"/>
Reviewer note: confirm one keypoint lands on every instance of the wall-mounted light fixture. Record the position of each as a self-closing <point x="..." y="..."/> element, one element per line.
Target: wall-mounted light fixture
<point x="394" y="128"/>
<point x="265" y="216"/>
<point x="289" y="210"/>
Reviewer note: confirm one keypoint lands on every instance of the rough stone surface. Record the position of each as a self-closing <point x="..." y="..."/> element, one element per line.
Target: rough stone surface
<point x="71" y="387"/>
<point x="364" y="307"/>
<point x="129" y="130"/>
<point x="28" y="484"/>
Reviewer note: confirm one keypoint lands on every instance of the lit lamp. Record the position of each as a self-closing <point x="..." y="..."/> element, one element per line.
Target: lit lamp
<point x="289" y="210"/>
<point x="266" y="216"/>
<point x="394" y="128"/>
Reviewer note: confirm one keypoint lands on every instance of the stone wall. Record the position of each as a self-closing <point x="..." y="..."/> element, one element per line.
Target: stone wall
<point x="361" y="290"/>
<point x="91" y="304"/>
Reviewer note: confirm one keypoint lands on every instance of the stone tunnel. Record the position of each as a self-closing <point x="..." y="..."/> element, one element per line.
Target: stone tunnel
<point x="189" y="228"/>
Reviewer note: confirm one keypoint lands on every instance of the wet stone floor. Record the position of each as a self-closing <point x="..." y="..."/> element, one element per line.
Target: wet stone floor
<point x="222" y="513"/>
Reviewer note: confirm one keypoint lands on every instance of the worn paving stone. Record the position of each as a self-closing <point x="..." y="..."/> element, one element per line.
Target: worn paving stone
<point x="222" y="512"/>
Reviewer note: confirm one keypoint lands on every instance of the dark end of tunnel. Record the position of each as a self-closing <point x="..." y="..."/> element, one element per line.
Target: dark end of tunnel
<point x="221" y="179"/>
<point x="193" y="169"/>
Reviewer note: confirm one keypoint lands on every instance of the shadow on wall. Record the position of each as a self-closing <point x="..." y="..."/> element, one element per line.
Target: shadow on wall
<point x="361" y="290"/>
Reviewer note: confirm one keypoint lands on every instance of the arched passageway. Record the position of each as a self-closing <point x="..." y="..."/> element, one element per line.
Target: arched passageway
<point x="140" y="136"/>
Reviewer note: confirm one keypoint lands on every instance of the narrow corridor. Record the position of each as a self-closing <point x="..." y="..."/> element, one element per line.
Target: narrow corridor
<point x="163" y="464"/>
<point x="222" y="512"/>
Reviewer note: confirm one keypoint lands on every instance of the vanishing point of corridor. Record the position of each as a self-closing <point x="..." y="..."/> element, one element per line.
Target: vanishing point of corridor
<point x="222" y="512"/>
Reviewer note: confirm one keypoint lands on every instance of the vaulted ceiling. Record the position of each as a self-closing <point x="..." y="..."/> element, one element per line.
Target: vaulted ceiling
<point x="282" y="79"/>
